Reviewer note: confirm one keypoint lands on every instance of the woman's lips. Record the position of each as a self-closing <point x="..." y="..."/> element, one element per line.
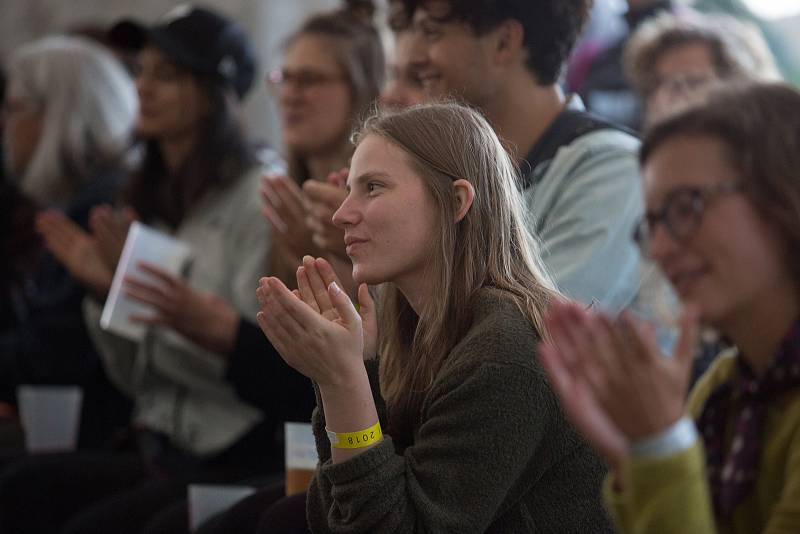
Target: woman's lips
<point x="684" y="281"/>
<point x="351" y="243"/>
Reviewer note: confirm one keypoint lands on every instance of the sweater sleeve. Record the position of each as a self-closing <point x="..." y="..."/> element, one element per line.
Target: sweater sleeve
<point x="666" y="494"/>
<point x="670" y="494"/>
<point x="785" y="516"/>
<point x="480" y="432"/>
<point x="644" y="503"/>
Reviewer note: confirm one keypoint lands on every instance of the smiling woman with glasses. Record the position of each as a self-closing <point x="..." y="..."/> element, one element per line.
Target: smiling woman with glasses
<point x="332" y="71"/>
<point x="722" y="189"/>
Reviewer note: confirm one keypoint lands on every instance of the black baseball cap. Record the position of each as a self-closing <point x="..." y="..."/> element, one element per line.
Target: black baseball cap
<point x="198" y="39"/>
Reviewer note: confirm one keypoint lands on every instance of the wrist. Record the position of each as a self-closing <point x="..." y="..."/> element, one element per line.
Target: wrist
<point x="347" y="383"/>
<point x="223" y="333"/>
<point x="675" y="438"/>
<point x="349" y="407"/>
<point x="359" y="439"/>
<point x="654" y="423"/>
<point x="348" y="375"/>
<point x="99" y="289"/>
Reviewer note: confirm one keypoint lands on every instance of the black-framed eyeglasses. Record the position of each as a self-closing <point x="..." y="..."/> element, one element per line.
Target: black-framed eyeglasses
<point x="681" y="213"/>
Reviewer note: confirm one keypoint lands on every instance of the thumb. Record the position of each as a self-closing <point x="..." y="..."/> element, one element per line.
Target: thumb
<point x="344" y="306"/>
<point x="366" y="306"/>
<point x="339" y="178"/>
<point x="333" y="178"/>
<point x="129" y="215"/>
<point x="689" y="336"/>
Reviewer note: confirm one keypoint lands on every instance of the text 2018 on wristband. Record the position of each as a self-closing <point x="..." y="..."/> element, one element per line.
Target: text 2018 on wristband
<point x="355" y="440"/>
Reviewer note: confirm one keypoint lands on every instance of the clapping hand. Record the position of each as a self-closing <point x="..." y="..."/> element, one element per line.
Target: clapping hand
<point x="613" y="383"/>
<point x="76" y="250"/>
<point x="286" y="212"/>
<point x="316" y="329"/>
<point x="323" y="199"/>
<point x="313" y="279"/>
<point x="110" y="231"/>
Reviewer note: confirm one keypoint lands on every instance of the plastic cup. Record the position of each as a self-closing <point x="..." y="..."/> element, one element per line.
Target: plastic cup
<point x="208" y="500"/>
<point x="50" y="417"/>
<point x="301" y="457"/>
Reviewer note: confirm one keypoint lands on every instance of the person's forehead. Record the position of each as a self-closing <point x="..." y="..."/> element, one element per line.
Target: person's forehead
<point x="684" y="161"/>
<point x="152" y="55"/>
<point x="311" y="49"/>
<point x="685" y="57"/>
<point x="435" y="9"/>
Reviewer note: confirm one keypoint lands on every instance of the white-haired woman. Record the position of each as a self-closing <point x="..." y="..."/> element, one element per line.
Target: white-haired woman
<point x="68" y="114"/>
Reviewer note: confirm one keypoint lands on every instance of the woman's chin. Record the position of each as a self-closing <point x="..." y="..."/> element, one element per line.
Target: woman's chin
<point x="364" y="276"/>
<point x="359" y="278"/>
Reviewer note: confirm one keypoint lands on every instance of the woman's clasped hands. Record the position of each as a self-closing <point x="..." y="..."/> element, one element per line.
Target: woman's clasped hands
<point x="316" y="328"/>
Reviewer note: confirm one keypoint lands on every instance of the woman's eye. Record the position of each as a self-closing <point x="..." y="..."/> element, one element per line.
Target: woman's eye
<point x="165" y="74"/>
<point x="373" y="187"/>
<point x="431" y="33"/>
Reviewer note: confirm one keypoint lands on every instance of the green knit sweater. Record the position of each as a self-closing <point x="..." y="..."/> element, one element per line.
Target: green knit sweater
<point x="491" y="452"/>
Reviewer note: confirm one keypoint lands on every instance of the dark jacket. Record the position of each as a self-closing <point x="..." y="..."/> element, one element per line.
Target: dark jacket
<point x="44" y="339"/>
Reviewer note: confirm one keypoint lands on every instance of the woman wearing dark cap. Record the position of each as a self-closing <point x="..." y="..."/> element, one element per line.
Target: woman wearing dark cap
<point x="199" y="182"/>
<point x="331" y="74"/>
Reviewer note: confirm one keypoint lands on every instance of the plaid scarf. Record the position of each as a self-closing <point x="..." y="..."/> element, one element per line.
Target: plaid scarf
<point x="733" y="471"/>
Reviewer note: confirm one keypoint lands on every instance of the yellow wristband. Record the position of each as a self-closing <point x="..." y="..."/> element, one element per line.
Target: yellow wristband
<point x="355" y="440"/>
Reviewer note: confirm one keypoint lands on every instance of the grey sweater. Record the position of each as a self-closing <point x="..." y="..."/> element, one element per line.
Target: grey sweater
<point x="492" y="451"/>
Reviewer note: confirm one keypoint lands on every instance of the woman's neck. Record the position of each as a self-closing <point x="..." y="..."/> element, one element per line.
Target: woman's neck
<point x="176" y="150"/>
<point x="759" y="332"/>
<point x="416" y="288"/>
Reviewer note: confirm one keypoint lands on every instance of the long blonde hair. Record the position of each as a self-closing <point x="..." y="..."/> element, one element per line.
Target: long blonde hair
<point x="490" y="247"/>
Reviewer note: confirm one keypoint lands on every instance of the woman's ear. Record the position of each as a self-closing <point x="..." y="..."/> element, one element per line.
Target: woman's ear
<point x="465" y="194"/>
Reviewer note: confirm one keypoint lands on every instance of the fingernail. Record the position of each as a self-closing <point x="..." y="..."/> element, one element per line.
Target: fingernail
<point x="335" y="287"/>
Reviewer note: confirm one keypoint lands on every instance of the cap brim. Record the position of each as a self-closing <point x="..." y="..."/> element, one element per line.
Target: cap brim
<point x="133" y="35"/>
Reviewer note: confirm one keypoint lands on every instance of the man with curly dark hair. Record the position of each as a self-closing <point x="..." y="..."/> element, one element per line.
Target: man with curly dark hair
<point x="579" y="172"/>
